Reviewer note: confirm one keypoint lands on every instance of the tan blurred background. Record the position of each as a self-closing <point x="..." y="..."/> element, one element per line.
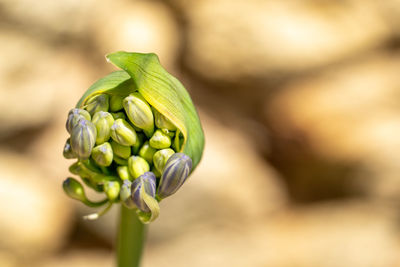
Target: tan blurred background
<point x="300" y="103"/>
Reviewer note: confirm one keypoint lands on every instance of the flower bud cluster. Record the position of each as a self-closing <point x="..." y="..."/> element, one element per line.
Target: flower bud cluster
<point x="127" y="149"/>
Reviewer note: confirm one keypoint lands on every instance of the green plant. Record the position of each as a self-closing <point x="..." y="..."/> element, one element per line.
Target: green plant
<point x="137" y="137"/>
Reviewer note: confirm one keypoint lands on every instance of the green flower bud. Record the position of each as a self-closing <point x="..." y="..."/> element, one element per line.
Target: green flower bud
<point x="137" y="166"/>
<point x="162" y="122"/>
<point x="160" y="140"/>
<point x="103" y="154"/>
<point x="120" y="150"/>
<point x="139" y="143"/>
<point x="68" y="153"/>
<point x="125" y="192"/>
<point x="112" y="189"/>
<point x="84" y="170"/>
<point x="75" y="190"/>
<point x="125" y="195"/>
<point x="116" y="103"/>
<point x="83" y="137"/>
<point x="147" y="152"/>
<point x="139" y="112"/>
<point x="120" y="161"/>
<point x="123" y="173"/>
<point x="74" y="115"/>
<point x="123" y="133"/>
<point x="97" y="103"/>
<point x="161" y="157"/>
<point x="103" y="122"/>
<point x="155" y="171"/>
<point x="119" y="115"/>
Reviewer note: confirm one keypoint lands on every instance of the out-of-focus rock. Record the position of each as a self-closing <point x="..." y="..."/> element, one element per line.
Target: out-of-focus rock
<point x="36" y="82"/>
<point x="8" y="260"/>
<point x="35" y="216"/>
<point x="50" y="18"/>
<point x="80" y="258"/>
<point x="390" y="10"/>
<point x="332" y="235"/>
<point x="348" y="115"/>
<point x="140" y="26"/>
<point x="232" y="186"/>
<point x="233" y="40"/>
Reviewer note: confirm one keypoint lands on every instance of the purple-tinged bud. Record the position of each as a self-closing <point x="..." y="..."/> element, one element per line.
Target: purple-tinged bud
<point x="83" y="138"/>
<point x="97" y="103"/>
<point x="175" y="173"/>
<point x="145" y="184"/>
<point x="68" y="153"/>
<point x="73" y="117"/>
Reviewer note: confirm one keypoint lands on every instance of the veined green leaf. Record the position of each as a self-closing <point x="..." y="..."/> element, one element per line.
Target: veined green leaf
<point x="143" y="73"/>
<point x="165" y="93"/>
<point x="115" y="83"/>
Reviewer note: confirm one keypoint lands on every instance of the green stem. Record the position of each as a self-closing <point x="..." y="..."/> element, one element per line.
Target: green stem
<point x="131" y="237"/>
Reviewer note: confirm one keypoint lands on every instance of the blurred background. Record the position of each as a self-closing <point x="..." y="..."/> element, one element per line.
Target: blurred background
<point x="300" y="103"/>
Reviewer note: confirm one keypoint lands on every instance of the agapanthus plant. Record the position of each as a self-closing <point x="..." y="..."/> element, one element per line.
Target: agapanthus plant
<point x="136" y="138"/>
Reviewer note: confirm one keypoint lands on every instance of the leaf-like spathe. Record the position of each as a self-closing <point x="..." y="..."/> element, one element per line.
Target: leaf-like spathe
<point x="143" y="73"/>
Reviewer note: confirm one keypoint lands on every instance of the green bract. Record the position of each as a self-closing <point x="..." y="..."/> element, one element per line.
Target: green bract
<point x="138" y="117"/>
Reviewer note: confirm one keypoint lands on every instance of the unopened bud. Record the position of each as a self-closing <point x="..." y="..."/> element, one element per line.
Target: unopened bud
<point x="68" y="153"/>
<point x="74" y="115"/>
<point x="103" y="122"/>
<point x="155" y="171"/>
<point x="147" y="152"/>
<point x="143" y="185"/>
<point x="125" y="192"/>
<point x="119" y="115"/>
<point x="139" y="112"/>
<point x="125" y="195"/>
<point x="83" y="137"/>
<point x="120" y="161"/>
<point x="174" y="175"/>
<point x="112" y="189"/>
<point x="103" y="154"/>
<point x="161" y="157"/>
<point x="160" y="140"/>
<point x="116" y="103"/>
<point x="120" y="150"/>
<point x="97" y="103"/>
<point x="74" y="189"/>
<point x="137" y="166"/>
<point x="123" y="173"/>
<point x="139" y="143"/>
<point x="162" y="122"/>
<point x="123" y="133"/>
